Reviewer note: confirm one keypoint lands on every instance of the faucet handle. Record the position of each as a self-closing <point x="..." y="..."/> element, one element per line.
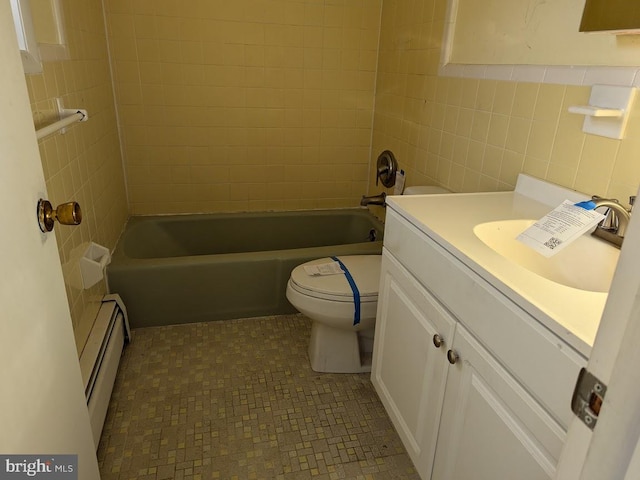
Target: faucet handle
<point x="610" y="221"/>
<point x="386" y="168"/>
<point x="632" y="200"/>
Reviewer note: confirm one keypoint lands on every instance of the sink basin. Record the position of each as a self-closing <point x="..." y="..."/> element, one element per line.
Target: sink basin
<point x="586" y="264"/>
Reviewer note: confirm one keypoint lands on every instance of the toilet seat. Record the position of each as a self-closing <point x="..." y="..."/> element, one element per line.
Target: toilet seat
<point x="365" y="270"/>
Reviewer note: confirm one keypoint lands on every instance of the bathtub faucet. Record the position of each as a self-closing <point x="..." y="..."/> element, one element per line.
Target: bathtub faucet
<point x="374" y="200"/>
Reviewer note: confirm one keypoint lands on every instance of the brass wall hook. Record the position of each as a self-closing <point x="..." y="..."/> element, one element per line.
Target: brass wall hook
<point x="67" y="214"/>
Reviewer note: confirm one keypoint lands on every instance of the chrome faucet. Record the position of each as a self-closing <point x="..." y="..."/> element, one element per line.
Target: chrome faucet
<point x="374" y="200"/>
<point x="614" y="226"/>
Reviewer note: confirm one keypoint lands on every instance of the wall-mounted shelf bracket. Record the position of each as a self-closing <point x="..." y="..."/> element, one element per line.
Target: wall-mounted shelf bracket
<point x="608" y="110"/>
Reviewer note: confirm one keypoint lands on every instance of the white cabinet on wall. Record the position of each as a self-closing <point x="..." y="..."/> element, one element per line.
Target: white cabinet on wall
<point x="493" y="401"/>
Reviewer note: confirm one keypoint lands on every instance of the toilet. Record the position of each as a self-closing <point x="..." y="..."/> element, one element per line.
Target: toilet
<point x="342" y="328"/>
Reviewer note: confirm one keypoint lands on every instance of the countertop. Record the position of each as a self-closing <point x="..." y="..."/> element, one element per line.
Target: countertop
<point x="448" y="219"/>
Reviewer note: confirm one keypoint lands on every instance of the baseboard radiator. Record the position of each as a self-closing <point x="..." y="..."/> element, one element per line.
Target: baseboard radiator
<point x="100" y="358"/>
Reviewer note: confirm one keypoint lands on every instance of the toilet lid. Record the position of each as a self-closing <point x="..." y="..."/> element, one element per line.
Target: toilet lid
<point x="365" y="270"/>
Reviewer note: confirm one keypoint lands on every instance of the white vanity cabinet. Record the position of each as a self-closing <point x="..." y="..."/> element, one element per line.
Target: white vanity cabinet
<point x="491" y="428"/>
<point x="413" y="332"/>
<point x="493" y="401"/>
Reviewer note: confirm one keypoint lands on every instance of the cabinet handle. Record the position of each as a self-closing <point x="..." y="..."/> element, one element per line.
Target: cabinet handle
<point x="437" y="340"/>
<point x="452" y="356"/>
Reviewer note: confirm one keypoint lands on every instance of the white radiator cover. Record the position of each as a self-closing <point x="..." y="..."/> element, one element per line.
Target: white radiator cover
<point x="100" y="358"/>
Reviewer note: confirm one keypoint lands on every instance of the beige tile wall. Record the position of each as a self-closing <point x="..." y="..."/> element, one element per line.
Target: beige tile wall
<point x="268" y="104"/>
<point x="477" y="135"/>
<point x="245" y="104"/>
<point x="85" y="164"/>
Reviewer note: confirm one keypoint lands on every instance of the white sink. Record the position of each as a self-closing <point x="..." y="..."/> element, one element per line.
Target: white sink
<point x="587" y="263"/>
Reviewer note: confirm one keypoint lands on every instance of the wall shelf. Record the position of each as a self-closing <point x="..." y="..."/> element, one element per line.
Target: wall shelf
<point x="608" y="110"/>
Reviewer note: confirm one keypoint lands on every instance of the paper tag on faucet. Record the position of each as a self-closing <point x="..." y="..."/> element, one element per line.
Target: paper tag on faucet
<point x="559" y="228"/>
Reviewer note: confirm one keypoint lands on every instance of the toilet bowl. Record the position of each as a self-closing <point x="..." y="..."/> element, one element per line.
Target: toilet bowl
<point x="341" y="342"/>
<point x="342" y="307"/>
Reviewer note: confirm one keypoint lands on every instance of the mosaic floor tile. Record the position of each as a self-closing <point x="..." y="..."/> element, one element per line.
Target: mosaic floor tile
<point x="237" y="399"/>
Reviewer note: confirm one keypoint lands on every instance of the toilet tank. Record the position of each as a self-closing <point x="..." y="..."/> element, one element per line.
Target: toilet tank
<point x="424" y="190"/>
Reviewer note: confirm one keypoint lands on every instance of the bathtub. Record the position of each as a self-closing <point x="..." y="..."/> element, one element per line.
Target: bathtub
<point x="173" y="269"/>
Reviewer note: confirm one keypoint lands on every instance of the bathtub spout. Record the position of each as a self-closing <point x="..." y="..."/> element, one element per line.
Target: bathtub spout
<point x="374" y="200"/>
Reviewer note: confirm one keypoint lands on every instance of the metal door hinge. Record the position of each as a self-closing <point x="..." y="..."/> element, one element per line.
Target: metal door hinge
<point x="588" y="397"/>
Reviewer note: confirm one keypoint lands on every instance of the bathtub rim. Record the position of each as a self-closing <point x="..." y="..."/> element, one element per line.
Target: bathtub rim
<point x="120" y="258"/>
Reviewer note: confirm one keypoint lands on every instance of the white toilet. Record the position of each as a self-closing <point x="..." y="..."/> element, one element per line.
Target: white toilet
<point x="341" y="328"/>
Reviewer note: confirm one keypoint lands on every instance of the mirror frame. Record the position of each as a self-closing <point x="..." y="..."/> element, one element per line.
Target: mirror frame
<point x="552" y="74"/>
<point x="25" y="33"/>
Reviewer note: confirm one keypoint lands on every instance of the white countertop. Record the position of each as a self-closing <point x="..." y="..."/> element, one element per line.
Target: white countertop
<point x="572" y="314"/>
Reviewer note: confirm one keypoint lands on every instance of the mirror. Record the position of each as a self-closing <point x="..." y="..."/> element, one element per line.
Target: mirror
<point x="531" y="32"/>
<point x="619" y="16"/>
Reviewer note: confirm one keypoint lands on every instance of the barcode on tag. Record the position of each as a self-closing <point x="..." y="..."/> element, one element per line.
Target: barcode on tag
<point x="552" y="243"/>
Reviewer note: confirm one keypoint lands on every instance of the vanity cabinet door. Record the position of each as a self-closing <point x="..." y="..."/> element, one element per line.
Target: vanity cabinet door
<point x="491" y="428"/>
<point x="409" y="370"/>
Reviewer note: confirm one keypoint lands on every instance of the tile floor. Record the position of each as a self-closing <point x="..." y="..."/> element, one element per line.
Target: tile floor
<point x="237" y="400"/>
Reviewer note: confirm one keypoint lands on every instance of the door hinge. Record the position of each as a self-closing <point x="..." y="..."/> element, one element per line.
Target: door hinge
<point x="587" y="398"/>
